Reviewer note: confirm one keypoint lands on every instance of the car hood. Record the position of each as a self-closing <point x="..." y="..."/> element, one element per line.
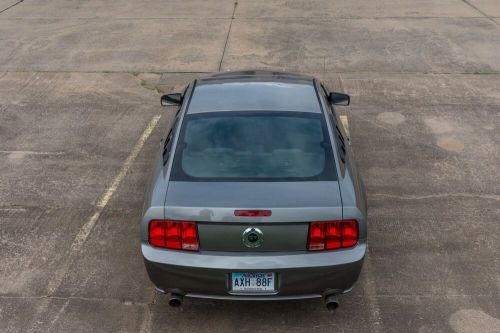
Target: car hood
<point x="289" y="201"/>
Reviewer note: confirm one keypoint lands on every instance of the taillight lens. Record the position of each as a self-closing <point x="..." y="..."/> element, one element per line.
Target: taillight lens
<point x="173" y="235"/>
<point x="157" y="233"/>
<point x="189" y="236"/>
<point x="316" y="236"/>
<point x="333" y="235"/>
<point x="178" y="235"/>
<point x="349" y="233"/>
<point x="330" y="235"/>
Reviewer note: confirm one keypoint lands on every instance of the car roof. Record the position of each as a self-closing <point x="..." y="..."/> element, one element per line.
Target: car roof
<point x="254" y="91"/>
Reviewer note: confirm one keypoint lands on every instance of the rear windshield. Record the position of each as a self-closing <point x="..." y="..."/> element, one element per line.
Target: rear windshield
<point x="253" y="146"/>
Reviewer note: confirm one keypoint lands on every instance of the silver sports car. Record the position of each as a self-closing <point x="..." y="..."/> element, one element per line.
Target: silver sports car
<point x="255" y="195"/>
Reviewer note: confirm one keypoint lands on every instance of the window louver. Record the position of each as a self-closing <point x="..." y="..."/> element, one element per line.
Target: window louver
<point x="340" y="144"/>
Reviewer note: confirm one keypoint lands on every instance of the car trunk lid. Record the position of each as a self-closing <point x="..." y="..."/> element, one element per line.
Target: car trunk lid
<point x="292" y="204"/>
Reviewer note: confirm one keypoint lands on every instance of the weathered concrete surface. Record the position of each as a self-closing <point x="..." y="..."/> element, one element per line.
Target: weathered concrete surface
<point x="355" y="9"/>
<point x="426" y="145"/>
<point x="112" y="45"/>
<point x="47" y="119"/>
<point x="5" y="4"/>
<point x="366" y="45"/>
<point x="488" y="7"/>
<point x="146" y="9"/>
<point x="429" y="207"/>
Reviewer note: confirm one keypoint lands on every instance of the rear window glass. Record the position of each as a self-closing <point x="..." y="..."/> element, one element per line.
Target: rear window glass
<point x="254" y="146"/>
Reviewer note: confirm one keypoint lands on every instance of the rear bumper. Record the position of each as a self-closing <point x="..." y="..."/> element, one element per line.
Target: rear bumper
<point x="299" y="276"/>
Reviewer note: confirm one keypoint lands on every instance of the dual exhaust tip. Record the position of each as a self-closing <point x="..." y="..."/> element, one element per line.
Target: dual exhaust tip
<point x="175" y="300"/>
<point x="331" y="301"/>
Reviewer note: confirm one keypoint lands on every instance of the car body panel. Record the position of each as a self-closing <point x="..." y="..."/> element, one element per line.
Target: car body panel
<point x="254" y="194"/>
<point x="301" y="274"/>
<point x="206" y="274"/>
<point x="254" y="261"/>
<point x="227" y="237"/>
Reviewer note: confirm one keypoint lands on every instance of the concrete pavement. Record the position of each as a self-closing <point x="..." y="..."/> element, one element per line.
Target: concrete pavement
<point x="79" y="83"/>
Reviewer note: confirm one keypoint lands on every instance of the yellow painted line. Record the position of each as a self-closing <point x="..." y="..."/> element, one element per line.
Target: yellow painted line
<point x="345" y="123"/>
<point x="85" y="230"/>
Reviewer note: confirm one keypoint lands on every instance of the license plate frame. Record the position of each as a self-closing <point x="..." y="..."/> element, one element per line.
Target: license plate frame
<point x="248" y="282"/>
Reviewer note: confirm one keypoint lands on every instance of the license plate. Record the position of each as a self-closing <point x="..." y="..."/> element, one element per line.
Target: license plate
<point x="253" y="282"/>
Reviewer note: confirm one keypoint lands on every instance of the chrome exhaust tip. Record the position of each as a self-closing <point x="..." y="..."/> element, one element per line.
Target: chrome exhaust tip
<point x="175" y="300"/>
<point x="331" y="302"/>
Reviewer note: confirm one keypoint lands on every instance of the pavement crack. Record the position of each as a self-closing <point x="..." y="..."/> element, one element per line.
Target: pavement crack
<point x="13" y="5"/>
<point x="480" y="11"/>
<point x="85" y="230"/>
<point x="227" y="37"/>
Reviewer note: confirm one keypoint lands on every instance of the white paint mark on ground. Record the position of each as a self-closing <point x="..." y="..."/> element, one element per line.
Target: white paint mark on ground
<point x="439" y="125"/>
<point x="13" y="210"/>
<point x="472" y="321"/>
<point x="29" y="152"/>
<point x="450" y="143"/>
<point x="370" y="290"/>
<point x="391" y="118"/>
<point x="18" y="155"/>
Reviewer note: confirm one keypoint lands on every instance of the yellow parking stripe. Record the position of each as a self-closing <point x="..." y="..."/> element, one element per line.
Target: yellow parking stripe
<point x="86" y="229"/>
<point x="345" y="123"/>
<point x="104" y="199"/>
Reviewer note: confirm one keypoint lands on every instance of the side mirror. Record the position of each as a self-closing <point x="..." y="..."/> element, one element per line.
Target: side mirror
<point x="339" y="98"/>
<point x="171" y="99"/>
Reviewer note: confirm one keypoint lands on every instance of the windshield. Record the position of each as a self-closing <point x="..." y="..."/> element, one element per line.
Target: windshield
<point x="253" y="146"/>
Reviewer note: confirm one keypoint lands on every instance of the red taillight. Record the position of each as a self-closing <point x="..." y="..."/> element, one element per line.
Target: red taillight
<point x="333" y="235"/>
<point x="349" y="233"/>
<point x="329" y="235"/>
<point x="179" y="235"/>
<point x="157" y="233"/>
<point x="316" y="236"/>
<point x="189" y="236"/>
<point x="173" y="235"/>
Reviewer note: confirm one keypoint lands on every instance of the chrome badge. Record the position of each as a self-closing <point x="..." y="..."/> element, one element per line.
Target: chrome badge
<point x="253" y="237"/>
